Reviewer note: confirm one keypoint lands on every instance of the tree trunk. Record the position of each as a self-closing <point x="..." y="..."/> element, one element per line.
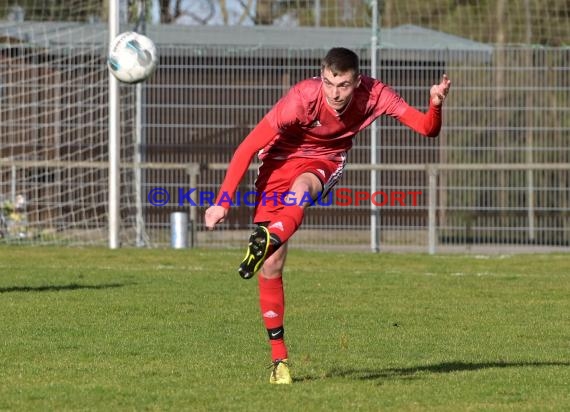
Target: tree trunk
<point x="263" y="12"/>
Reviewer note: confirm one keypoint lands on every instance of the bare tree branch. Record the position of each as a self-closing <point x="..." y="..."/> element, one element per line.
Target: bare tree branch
<point x="246" y="12"/>
<point x="201" y="20"/>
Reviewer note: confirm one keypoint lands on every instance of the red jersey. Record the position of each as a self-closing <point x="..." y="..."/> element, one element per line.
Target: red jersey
<point x="308" y="127"/>
<point x="302" y="124"/>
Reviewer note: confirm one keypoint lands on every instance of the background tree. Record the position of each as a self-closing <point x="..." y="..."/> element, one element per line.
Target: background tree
<point x="473" y="19"/>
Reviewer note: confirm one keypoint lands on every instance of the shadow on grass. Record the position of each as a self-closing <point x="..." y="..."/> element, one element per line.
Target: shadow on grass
<point x="59" y="288"/>
<point x="416" y="371"/>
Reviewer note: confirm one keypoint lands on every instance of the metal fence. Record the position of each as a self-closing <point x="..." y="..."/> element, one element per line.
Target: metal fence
<point x="500" y="166"/>
<point x="496" y="179"/>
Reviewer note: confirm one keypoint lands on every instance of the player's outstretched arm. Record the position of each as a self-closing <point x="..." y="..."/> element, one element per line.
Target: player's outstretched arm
<point x="438" y="92"/>
<point x="215" y="214"/>
<point x="428" y="124"/>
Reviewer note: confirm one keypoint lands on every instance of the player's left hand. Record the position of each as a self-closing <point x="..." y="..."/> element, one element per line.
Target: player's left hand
<point x="438" y="92"/>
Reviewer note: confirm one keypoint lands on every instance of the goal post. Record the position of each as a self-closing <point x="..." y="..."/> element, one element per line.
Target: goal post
<point x="114" y="138"/>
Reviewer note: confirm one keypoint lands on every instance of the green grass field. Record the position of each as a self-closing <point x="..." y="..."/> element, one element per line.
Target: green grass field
<point x="95" y="329"/>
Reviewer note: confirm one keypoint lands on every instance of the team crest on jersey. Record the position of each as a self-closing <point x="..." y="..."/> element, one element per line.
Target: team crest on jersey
<point x="316" y="123"/>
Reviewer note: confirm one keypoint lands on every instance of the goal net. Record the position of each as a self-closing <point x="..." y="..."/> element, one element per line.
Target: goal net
<point x="53" y="123"/>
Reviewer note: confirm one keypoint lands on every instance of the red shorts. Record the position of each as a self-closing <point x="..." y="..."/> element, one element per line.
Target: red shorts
<point x="276" y="177"/>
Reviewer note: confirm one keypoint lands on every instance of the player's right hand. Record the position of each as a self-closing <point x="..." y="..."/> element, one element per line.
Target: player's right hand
<point x="214" y="215"/>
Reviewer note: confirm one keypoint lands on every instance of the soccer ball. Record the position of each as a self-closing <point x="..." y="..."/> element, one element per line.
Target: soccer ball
<point x="132" y="57"/>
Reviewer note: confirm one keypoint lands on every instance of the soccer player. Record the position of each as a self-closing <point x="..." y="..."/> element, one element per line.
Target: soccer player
<point x="302" y="143"/>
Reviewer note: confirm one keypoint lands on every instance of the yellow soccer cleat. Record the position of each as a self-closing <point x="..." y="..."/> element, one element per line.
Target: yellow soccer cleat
<point x="280" y="373"/>
<point x="256" y="252"/>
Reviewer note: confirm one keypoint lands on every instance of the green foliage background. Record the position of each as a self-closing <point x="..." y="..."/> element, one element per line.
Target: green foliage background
<point x="488" y="21"/>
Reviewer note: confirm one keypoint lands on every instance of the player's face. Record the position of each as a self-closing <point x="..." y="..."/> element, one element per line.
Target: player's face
<point x="340" y="88"/>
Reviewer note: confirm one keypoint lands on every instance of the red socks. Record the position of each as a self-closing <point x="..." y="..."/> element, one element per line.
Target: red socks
<point x="271" y="295"/>
<point x="272" y="303"/>
<point x="287" y="223"/>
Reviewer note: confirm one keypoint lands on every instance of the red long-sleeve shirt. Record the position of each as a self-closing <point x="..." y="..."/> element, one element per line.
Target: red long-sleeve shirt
<point x="302" y="124"/>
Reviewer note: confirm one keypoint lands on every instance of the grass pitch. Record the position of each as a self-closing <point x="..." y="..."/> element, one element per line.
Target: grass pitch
<point x="94" y="329"/>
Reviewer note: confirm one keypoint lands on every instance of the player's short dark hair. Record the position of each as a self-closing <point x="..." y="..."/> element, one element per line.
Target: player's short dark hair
<point x="340" y="60"/>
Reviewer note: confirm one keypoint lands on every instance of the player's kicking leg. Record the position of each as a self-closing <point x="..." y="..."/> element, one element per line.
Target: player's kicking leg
<point x="257" y="251"/>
